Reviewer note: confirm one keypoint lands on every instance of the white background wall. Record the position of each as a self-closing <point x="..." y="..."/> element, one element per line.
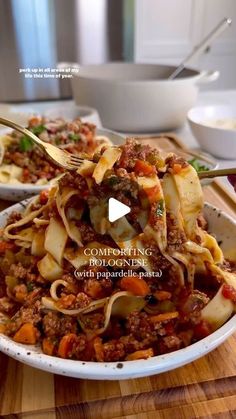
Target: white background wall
<point x="167" y="30"/>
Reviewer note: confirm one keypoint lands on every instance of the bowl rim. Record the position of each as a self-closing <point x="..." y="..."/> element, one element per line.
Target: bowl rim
<point x="191" y="117"/>
<point x="121" y="369"/>
<point x="197" y="74"/>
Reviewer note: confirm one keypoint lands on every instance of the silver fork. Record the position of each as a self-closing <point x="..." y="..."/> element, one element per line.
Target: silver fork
<point x="60" y="157"/>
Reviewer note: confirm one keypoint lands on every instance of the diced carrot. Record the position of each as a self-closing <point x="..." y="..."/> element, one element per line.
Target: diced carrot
<point x="66" y="301"/>
<point x="143" y="354"/>
<point x="98" y="347"/>
<point x="21" y="292"/>
<point x="143" y="168"/>
<point x="177" y="168"/>
<point x="162" y="295"/>
<point x="43" y="197"/>
<point x="2" y="328"/>
<point x="26" y="334"/>
<point x="34" y="121"/>
<point x="152" y="194"/>
<point x="25" y="174"/>
<point x="4" y="245"/>
<point x="66" y="345"/>
<point x="164" y="317"/>
<point x="135" y="285"/>
<point x="48" y="346"/>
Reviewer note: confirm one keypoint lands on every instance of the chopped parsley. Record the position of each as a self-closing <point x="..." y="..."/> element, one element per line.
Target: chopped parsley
<point x="38" y="129"/>
<point x="197" y="165"/>
<point x="113" y="180"/>
<point x="30" y="286"/>
<point x="75" y="137"/>
<point x="160" y="208"/>
<point x="26" y="144"/>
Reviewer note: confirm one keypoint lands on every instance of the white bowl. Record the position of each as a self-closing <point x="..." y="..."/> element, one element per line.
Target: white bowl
<point x="13" y="113"/>
<point x="72" y="111"/>
<point x="225" y="229"/>
<point x="133" y="97"/>
<point x="18" y="192"/>
<point x="220" y="142"/>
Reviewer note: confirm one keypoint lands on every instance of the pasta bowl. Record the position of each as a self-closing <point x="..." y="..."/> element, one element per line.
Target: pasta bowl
<point x="224" y="228"/>
<point x="18" y="191"/>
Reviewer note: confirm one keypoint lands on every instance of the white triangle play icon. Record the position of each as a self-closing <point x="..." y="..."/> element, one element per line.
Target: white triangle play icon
<point x="116" y="210"/>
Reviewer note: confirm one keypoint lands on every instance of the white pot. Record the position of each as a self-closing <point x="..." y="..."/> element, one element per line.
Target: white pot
<point x="138" y="97"/>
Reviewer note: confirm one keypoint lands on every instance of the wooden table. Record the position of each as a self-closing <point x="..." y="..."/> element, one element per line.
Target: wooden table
<point x="205" y="388"/>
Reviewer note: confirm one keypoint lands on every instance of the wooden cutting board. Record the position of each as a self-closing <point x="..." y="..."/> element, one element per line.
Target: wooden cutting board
<point x="205" y="388"/>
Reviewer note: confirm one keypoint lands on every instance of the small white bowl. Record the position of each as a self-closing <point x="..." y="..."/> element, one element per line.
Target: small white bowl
<point x="221" y="142"/>
<point x="224" y="227"/>
<point x="72" y="111"/>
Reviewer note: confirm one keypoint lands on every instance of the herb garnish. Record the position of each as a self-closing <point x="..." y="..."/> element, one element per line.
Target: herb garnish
<point x="30" y="286"/>
<point x="197" y="165"/>
<point x="38" y="129"/>
<point x="113" y="180"/>
<point x="26" y="144"/>
<point x="75" y="137"/>
<point x="160" y="208"/>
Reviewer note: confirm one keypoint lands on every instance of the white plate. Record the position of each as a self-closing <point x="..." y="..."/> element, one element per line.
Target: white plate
<point x="18" y="192"/>
<point x="225" y="229"/>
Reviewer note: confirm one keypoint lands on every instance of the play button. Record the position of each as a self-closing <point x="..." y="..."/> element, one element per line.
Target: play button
<point x="116" y="210"/>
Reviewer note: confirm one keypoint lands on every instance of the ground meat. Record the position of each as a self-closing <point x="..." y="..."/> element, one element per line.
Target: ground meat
<point x="68" y="324"/>
<point x="71" y="301"/>
<point x="6" y="305"/>
<point x="124" y="183"/>
<point x="158" y="260"/>
<point x="98" y="288"/>
<point x="51" y="324"/>
<point x="13" y="217"/>
<point x="139" y="326"/>
<point x="87" y="232"/>
<point x="82" y="300"/>
<point x="94" y="321"/>
<point x="24" y="315"/>
<point x="172" y="342"/>
<point x="202" y="222"/>
<point x="18" y="271"/>
<point x="67" y="301"/>
<point x="130" y="343"/>
<point x="79" y="346"/>
<point x="175" y="236"/>
<point x="56" y="325"/>
<point x="175" y="160"/>
<point x="73" y="181"/>
<point x="132" y="150"/>
<point x="113" y="351"/>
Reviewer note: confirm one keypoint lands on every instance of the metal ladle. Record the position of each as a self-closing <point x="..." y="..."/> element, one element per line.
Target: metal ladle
<point x="202" y="46"/>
